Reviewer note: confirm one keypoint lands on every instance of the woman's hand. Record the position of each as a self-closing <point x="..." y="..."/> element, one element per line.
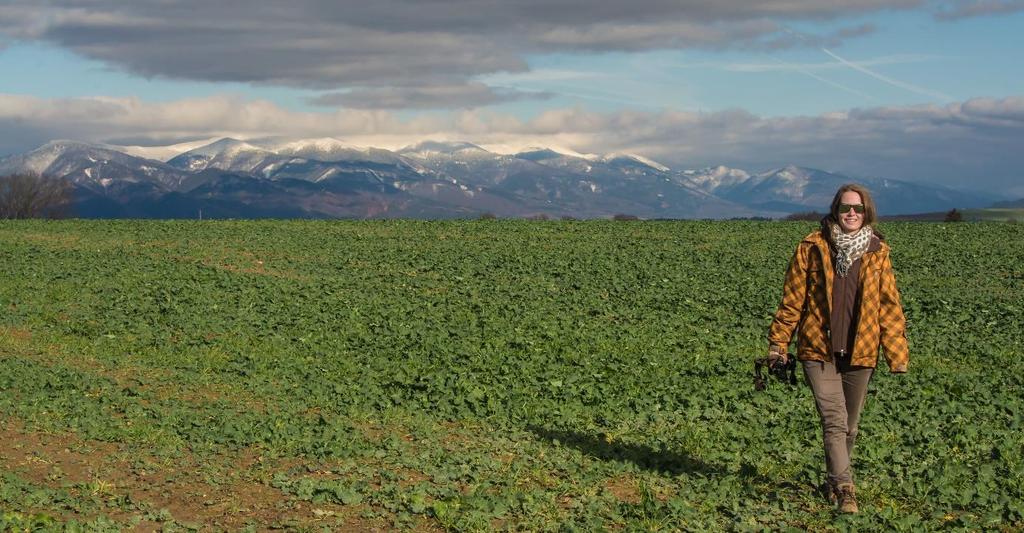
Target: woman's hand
<point x="777" y="357"/>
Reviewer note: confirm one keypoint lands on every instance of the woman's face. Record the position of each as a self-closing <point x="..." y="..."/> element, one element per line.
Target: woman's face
<point x="850" y="220"/>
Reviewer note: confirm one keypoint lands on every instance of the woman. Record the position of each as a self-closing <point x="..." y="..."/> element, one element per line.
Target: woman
<point x="840" y="297"/>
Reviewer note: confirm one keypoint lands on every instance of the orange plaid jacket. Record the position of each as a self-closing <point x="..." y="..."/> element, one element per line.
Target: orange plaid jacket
<point x="806" y="307"/>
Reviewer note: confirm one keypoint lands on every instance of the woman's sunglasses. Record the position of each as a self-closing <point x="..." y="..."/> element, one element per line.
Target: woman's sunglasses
<point x="857" y="208"/>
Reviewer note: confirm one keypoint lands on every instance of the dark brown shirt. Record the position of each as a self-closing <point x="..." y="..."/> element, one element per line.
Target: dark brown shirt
<point x="845" y="292"/>
<point x="844" y="296"/>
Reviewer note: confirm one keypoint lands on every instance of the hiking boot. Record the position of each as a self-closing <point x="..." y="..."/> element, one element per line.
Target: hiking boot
<point x="845" y="498"/>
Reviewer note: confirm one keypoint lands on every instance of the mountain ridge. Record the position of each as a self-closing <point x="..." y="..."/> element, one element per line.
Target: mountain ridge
<point x="326" y="177"/>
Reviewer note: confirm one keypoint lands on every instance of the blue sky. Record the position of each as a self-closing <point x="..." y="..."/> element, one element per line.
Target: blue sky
<point x="751" y="85"/>
<point x="962" y="60"/>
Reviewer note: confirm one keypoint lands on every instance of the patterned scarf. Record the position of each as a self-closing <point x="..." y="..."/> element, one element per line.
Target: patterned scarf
<point x="849" y="247"/>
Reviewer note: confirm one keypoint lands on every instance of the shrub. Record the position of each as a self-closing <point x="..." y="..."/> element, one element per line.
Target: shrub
<point x="806" y="215"/>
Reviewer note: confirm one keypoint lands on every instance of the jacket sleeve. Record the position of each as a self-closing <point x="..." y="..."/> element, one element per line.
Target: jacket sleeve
<point x="891" y="321"/>
<point x="794" y="291"/>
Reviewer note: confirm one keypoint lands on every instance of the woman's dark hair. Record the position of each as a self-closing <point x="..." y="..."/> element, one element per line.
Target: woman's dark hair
<point x="870" y="215"/>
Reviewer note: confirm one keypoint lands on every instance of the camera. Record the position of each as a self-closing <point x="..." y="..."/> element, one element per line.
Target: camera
<point x="783" y="372"/>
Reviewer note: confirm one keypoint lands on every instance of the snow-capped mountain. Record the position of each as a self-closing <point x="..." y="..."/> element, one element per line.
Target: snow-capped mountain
<point x="160" y="153"/>
<point x="633" y="161"/>
<point x="309" y="159"/>
<point x="224" y="154"/>
<point x="446" y="151"/>
<point x="93" y="166"/>
<point x="328" y="149"/>
<point x="711" y="179"/>
<point x="326" y="177"/>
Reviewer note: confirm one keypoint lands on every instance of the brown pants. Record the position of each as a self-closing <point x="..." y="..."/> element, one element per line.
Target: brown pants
<point x="839" y="393"/>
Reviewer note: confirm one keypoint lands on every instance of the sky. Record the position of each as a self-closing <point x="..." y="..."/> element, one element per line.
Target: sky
<point x="916" y="90"/>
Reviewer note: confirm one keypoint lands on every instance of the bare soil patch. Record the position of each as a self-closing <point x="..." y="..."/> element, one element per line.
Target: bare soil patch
<point x="624" y="489"/>
<point x="220" y="493"/>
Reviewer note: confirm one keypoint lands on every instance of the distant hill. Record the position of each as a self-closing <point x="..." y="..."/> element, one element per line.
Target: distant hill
<point x="1010" y="205"/>
<point x="990" y="214"/>
<point x="996" y="214"/>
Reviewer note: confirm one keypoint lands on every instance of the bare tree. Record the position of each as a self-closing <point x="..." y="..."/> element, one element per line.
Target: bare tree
<point x="29" y="195"/>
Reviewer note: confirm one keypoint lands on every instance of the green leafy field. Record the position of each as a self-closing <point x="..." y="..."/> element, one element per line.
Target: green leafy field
<point x="480" y="375"/>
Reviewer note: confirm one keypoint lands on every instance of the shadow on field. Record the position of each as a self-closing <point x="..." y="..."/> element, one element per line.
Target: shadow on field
<point x="643" y="456"/>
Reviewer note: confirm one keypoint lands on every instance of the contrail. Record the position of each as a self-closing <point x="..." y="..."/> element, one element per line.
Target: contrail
<point x="890" y="81"/>
<point x="825" y="80"/>
<point x="873" y="74"/>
